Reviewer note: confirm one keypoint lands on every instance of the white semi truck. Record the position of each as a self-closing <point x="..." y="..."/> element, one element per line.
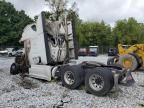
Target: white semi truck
<point x="51" y="53"/>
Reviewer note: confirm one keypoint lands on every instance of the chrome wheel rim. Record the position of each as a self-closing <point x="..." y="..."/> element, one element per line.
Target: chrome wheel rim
<point x="96" y="82"/>
<point x="69" y="78"/>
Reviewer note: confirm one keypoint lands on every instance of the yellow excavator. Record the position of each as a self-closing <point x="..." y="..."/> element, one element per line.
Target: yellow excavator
<point x="130" y="58"/>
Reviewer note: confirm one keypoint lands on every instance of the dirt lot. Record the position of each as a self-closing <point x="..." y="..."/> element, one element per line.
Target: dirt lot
<point x="33" y="93"/>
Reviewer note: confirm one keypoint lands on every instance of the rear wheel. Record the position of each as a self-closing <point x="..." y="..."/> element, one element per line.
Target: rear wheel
<point x="128" y="61"/>
<point x="72" y="76"/>
<point x="99" y="81"/>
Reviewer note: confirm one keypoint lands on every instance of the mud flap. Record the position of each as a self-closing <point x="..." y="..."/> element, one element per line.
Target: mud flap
<point x="129" y="80"/>
<point x="116" y="81"/>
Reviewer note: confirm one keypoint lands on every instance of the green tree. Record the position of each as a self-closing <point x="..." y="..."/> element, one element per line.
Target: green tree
<point x="94" y="33"/>
<point x="128" y="31"/>
<point x="59" y="9"/>
<point x="12" y="24"/>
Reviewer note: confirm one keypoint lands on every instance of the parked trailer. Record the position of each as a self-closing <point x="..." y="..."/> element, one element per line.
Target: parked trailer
<point x="51" y="53"/>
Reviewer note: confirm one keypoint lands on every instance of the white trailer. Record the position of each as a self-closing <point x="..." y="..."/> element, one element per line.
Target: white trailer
<point x="51" y="53"/>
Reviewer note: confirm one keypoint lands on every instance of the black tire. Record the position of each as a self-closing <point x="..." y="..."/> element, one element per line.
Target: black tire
<point x="140" y="63"/>
<point x="107" y="78"/>
<point x="131" y="58"/>
<point x="14" y="69"/>
<point x="76" y="75"/>
<point x="112" y="60"/>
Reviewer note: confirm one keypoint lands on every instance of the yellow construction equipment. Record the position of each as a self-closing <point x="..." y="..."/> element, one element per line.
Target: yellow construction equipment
<point x="130" y="58"/>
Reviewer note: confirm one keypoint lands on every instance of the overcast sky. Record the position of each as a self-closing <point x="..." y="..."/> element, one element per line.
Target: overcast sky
<point x="91" y="10"/>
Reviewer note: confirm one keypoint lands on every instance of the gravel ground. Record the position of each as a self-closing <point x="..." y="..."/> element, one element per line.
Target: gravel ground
<point x="32" y="93"/>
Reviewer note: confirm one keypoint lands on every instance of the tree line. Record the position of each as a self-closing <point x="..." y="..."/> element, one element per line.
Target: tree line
<point x="12" y="23"/>
<point x="126" y="31"/>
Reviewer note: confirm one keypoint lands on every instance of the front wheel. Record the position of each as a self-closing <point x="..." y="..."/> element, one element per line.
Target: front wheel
<point x="14" y="69"/>
<point x="10" y="54"/>
<point x="99" y="81"/>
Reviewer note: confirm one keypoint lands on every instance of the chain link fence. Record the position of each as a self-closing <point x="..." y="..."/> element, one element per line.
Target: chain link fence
<point x="103" y="49"/>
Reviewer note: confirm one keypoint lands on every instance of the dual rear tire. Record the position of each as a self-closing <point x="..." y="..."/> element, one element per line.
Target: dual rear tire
<point x="72" y="76"/>
<point x="98" y="81"/>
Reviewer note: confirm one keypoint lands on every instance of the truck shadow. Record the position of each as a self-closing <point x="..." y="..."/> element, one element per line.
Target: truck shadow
<point x="26" y="83"/>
